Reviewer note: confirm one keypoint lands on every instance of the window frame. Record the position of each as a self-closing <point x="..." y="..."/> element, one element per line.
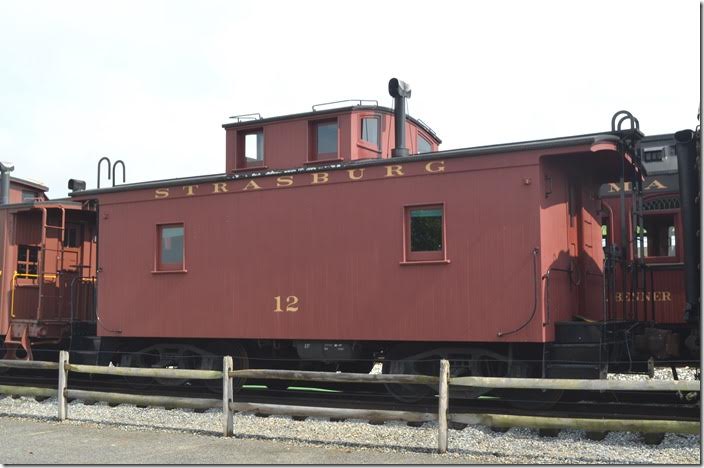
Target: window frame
<point x="419" y="134"/>
<point x="366" y="144"/>
<point x="24" y="264"/>
<point x="159" y="266"/>
<point x="677" y="222"/>
<point x="29" y="196"/>
<point x="313" y="154"/>
<point x="78" y="227"/>
<point x="242" y="162"/>
<point x="423" y="257"/>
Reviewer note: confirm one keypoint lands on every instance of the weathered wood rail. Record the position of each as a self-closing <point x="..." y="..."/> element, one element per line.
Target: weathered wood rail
<point x="442" y="382"/>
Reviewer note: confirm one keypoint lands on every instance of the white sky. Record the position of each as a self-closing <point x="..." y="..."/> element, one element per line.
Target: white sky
<point x="151" y="83"/>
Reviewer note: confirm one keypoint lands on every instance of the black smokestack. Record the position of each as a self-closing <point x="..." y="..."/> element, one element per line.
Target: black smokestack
<point x="689" y="196"/>
<point x="399" y="91"/>
<point x="5" y="169"/>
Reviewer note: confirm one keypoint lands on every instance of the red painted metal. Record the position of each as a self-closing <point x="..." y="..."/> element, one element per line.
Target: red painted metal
<point x="330" y="244"/>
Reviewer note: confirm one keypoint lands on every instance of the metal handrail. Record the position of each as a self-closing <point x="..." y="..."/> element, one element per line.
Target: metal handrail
<point x="246" y="117"/>
<point x="358" y="101"/>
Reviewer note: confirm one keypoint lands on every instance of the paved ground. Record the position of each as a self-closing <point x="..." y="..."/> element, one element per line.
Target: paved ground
<point x="32" y="441"/>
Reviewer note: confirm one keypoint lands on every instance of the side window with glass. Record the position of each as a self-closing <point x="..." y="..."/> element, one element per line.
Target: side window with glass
<point x="425" y="233"/>
<point x="422" y="144"/>
<point x="370" y="130"/>
<point x="170" y="247"/>
<point x="326" y="140"/>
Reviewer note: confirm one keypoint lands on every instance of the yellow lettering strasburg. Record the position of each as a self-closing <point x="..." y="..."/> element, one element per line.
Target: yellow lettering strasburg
<point x="161" y="193"/>
<point x="395" y="170"/>
<point x="284" y="181"/>
<point x="189" y="189"/>
<point x="355" y="174"/>
<point x="220" y="187"/>
<point x="251" y="185"/>
<point x="320" y="177"/>
<point x="435" y="166"/>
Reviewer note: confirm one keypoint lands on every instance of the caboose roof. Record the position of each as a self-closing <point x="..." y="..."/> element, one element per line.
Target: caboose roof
<point x="577" y="140"/>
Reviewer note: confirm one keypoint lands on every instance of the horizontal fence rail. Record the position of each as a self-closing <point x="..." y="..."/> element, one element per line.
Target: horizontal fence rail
<point x="349" y="413"/>
<point x="29" y="364"/>
<point x="141" y="372"/>
<point x="145" y="400"/>
<point x="442" y="382"/>
<point x="310" y="376"/>
<point x="578" y="384"/>
<point x="586" y="424"/>
<point x="28" y="391"/>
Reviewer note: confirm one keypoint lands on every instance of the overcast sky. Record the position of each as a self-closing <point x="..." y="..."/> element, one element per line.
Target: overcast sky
<point x="151" y="83"/>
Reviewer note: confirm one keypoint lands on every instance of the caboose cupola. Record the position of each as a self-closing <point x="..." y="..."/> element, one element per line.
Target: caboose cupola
<point x="359" y="131"/>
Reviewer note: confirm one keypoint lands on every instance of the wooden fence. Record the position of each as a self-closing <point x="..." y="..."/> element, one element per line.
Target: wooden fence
<point x="443" y="382"/>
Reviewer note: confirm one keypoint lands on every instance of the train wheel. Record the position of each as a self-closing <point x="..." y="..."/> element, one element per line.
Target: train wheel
<point x="165" y="356"/>
<point x="131" y="358"/>
<point x="464" y="362"/>
<point x="408" y="393"/>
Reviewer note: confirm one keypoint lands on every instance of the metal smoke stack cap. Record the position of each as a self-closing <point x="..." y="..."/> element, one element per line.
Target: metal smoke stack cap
<point x="399" y="90"/>
<point x="5" y="169"/>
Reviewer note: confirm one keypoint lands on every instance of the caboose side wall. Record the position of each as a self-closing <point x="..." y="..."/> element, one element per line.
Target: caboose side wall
<point x="333" y="239"/>
<point x="338" y="248"/>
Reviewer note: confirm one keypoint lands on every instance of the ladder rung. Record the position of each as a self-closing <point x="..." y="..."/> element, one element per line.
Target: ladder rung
<point x="48" y="226"/>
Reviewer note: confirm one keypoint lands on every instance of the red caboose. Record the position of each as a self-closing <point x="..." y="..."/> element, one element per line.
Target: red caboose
<point x="321" y="243"/>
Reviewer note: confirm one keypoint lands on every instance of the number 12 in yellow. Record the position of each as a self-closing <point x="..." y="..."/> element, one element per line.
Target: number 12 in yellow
<point x="291" y="304"/>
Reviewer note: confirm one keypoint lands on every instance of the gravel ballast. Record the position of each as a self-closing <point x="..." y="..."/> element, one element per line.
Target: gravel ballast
<point x="473" y="444"/>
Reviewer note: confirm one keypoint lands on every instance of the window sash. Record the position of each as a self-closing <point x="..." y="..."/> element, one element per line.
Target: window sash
<point x="326" y="139"/>
<point x="370" y="130"/>
<point x="170" y="247"/>
<point x="429" y="221"/>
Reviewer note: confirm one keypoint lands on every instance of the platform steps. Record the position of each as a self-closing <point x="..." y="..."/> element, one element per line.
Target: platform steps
<point x="578" y="351"/>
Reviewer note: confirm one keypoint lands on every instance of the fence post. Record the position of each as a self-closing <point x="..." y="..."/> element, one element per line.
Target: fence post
<point x="442" y="406"/>
<point x="227" y="396"/>
<point x="63" y="379"/>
